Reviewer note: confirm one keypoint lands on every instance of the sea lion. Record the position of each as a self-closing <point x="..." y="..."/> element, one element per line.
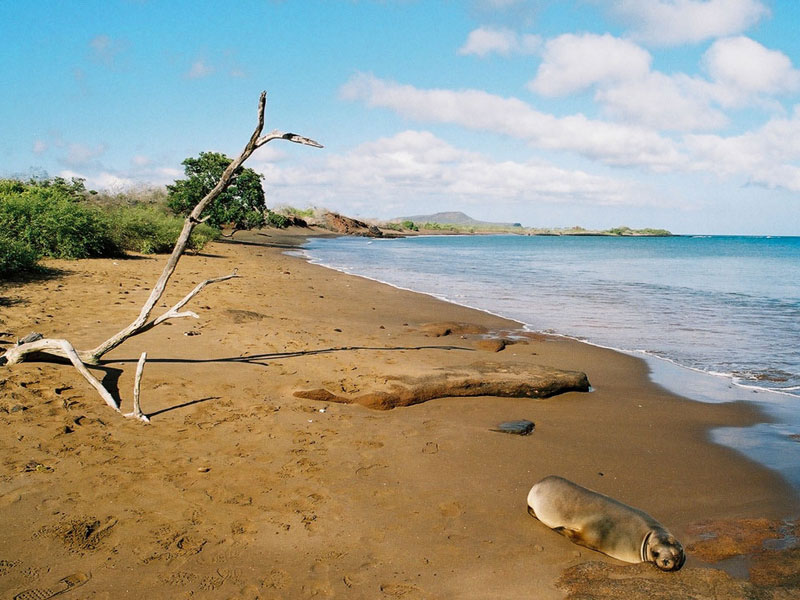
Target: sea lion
<point x="604" y="524"/>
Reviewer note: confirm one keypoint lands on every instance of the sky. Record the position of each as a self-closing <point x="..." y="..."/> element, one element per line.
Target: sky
<point x="676" y="114"/>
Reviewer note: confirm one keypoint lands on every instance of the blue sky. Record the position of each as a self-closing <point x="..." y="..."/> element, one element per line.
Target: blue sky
<point x="683" y="114"/>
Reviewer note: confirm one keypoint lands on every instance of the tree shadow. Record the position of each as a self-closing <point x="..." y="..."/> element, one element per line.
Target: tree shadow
<point x="38" y="273"/>
<point x="259" y="359"/>
<point x="181" y="405"/>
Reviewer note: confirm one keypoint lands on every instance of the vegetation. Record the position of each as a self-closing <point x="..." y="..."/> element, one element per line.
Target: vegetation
<point x="151" y="229"/>
<point x="241" y="205"/>
<point x="61" y="219"/>
<point x="278" y="220"/>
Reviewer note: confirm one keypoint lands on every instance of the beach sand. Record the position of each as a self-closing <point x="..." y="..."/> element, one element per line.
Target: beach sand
<point x="240" y="489"/>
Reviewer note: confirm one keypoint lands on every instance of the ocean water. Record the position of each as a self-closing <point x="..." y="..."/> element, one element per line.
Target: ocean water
<point x="717" y="317"/>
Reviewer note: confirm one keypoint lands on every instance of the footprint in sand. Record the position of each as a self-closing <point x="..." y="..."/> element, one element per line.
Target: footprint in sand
<point x="401" y="590"/>
<point x="451" y="509"/>
<point x="64" y="585"/>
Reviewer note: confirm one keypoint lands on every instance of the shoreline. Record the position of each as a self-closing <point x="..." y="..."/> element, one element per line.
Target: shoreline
<point x="761" y="442"/>
<point x="241" y="489"/>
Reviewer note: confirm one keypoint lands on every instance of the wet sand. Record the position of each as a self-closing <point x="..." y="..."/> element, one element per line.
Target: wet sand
<point x="240" y="489"/>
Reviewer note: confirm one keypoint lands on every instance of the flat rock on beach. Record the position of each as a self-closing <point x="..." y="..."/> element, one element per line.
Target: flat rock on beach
<point x="239" y="488"/>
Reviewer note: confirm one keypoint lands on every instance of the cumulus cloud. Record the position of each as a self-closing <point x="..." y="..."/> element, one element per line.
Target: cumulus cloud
<point x="610" y="143"/>
<point x="741" y="72"/>
<point x="571" y="63"/>
<point x="666" y="103"/>
<point x="491" y="40"/>
<point x="417" y="165"/>
<point x="675" y="22"/>
<point x="769" y="155"/>
<point x="746" y="67"/>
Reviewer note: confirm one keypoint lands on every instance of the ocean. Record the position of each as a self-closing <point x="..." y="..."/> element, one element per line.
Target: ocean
<point x="716" y="317"/>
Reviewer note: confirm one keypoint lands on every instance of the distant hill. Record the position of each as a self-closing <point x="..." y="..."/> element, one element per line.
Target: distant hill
<point x="453" y="218"/>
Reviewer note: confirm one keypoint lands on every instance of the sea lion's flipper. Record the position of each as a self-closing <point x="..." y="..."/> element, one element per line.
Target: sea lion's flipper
<point x="531" y="513"/>
<point x="573" y="535"/>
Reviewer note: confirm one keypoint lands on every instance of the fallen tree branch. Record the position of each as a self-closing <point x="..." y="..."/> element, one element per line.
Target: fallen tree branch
<point x="34" y="343"/>
<point x="192" y="219"/>
<point x="173" y="313"/>
<point x="137" y="411"/>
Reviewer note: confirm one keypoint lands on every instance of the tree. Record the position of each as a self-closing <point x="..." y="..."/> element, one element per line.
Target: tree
<point x="241" y="205"/>
<point x="35" y="343"/>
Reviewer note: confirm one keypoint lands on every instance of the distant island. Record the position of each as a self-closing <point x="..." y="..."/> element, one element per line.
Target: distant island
<point x="459" y="222"/>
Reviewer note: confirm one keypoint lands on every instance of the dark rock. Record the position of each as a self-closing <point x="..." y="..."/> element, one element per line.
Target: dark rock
<point x="521" y="427"/>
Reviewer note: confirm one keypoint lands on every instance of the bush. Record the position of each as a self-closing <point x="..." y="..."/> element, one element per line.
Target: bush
<point x="16" y="257"/>
<point x="53" y="223"/>
<point x="277" y="220"/>
<point x="54" y="219"/>
<point x="150" y="230"/>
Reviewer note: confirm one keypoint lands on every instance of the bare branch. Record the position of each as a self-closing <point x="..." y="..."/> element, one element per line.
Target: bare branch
<point x="93" y="356"/>
<point x="173" y="313"/>
<point x="35" y="343"/>
<point x="137" y="411"/>
<point x="292" y="137"/>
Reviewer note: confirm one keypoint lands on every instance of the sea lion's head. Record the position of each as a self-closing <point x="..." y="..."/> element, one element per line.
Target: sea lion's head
<point x="664" y="551"/>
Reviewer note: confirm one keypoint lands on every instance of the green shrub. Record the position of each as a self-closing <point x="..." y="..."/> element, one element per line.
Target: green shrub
<point x="54" y="219"/>
<point x="305" y="213"/>
<point x="53" y="223"/>
<point x="150" y="230"/>
<point x="16" y="257"/>
<point x="277" y="220"/>
<point x="409" y="225"/>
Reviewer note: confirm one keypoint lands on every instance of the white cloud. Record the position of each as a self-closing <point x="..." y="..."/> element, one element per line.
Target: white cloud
<point x="657" y="100"/>
<point x="572" y="63"/>
<point x="742" y="73"/>
<point x="199" y="69"/>
<point x="611" y="143"/>
<point x="675" y="22"/>
<point x="101" y="180"/>
<point x="768" y="156"/>
<point x="80" y="155"/>
<point x="40" y="146"/>
<point x="489" y="40"/>
<point x="416" y="166"/>
<point x="746" y="67"/>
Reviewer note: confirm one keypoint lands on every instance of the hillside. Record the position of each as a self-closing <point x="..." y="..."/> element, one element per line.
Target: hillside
<point x="454" y="218"/>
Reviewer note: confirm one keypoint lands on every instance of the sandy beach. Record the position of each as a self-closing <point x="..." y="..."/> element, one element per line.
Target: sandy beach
<point x="240" y="488"/>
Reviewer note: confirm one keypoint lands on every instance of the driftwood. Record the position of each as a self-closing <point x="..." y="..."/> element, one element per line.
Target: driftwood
<point x="35" y="343"/>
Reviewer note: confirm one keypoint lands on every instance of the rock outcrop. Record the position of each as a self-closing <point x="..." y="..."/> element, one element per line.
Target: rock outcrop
<point x="347" y="226"/>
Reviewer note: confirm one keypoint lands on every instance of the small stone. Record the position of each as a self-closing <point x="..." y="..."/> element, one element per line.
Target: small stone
<point x="538" y="548"/>
<point x="203" y="469"/>
<point x="521" y="427"/>
<point x="18" y="408"/>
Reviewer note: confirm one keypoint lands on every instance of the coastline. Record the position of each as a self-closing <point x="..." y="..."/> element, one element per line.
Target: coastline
<point x="240" y="489"/>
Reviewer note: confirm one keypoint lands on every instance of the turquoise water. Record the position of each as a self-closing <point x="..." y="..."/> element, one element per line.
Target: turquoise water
<point x="717" y="317"/>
